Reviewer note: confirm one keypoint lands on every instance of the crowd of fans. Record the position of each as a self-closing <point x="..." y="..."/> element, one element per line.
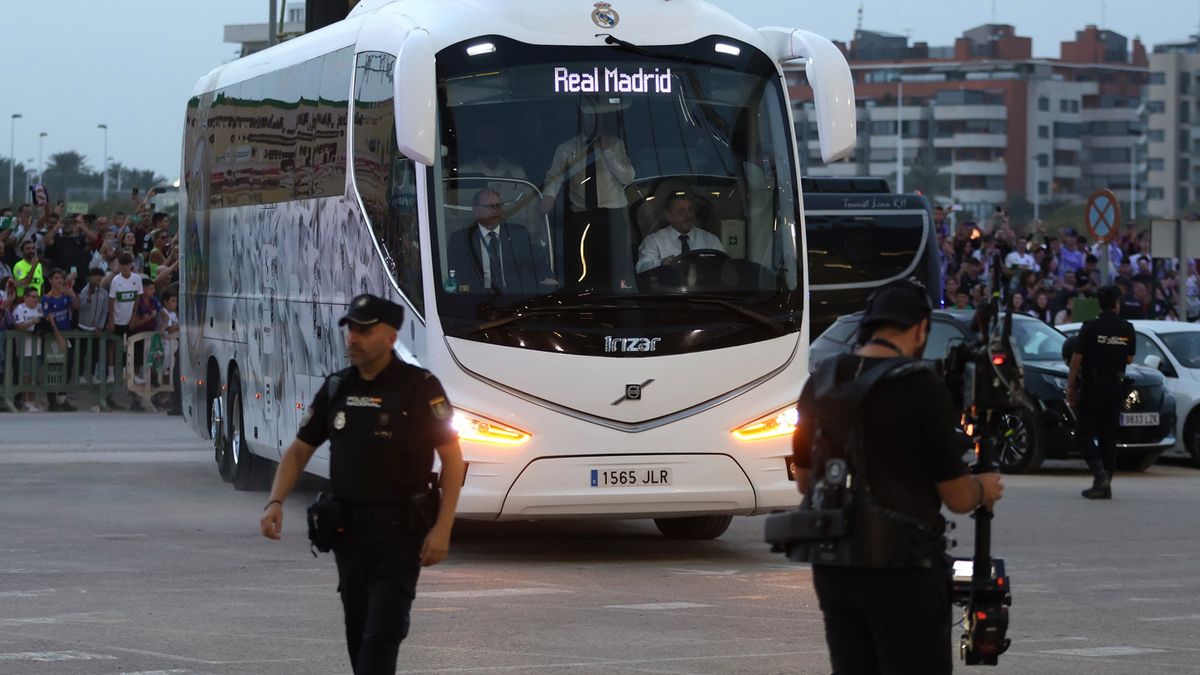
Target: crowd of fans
<point x="102" y="275"/>
<point x="1046" y="273"/>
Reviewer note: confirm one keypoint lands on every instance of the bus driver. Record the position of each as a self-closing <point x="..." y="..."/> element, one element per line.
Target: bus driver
<point x="681" y="236"/>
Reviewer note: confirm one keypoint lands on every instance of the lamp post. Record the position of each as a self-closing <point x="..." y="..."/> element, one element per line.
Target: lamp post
<point x="12" y="155"/>
<point x="104" y="181"/>
<point x="899" y="136"/>
<point x="1133" y="190"/>
<point x="41" y="137"/>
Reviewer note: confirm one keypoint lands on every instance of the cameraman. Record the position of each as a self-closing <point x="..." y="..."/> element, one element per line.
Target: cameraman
<point x="894" y="618"/>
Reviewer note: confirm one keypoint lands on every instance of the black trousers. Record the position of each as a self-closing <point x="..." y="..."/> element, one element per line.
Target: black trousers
<point x="886" y="621"/>
<point x="1099" y="420"/>
<point x="378" y="566"/>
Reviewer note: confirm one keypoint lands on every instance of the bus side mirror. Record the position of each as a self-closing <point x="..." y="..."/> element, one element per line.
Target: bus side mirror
<point x="833" y="87"/>
<point x="415" y="83"/>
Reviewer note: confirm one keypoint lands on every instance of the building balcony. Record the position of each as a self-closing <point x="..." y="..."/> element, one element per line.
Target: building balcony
<point x="980" y="168"/>
<point x="977" y="196"/>
<point x="1110" y="169"/>
<point x="971" y="141"/>
<point x="1068" y="171"/>
<point x="970" y="112"/>
<point x="1075" y="144"/>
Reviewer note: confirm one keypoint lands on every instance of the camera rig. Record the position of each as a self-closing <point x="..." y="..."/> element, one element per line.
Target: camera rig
<point x="985" y="382"/>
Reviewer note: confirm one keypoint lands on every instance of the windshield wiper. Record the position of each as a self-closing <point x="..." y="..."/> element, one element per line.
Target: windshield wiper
<point x="712" y="300"/>
<point x="650" y="53"/>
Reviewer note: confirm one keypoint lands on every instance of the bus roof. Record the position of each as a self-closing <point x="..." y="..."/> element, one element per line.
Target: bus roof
<point x="561" y="22"/>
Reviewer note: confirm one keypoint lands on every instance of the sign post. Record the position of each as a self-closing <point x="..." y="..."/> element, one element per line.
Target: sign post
<point x="1103" y="218"/>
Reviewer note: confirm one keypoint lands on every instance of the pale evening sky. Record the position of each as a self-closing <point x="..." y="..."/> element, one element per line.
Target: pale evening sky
<point x="131" y="64"/>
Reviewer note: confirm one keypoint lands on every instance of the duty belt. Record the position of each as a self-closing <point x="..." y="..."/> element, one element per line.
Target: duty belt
<point x="379" y="513"/>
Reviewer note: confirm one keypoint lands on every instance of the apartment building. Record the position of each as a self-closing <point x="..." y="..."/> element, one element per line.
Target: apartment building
<point x="997" y="123"/>
<point x="1172" y="136"/>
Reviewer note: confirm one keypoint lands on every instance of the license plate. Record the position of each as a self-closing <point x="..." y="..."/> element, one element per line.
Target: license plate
<point x="630" y="477"/>
<point x="1139" y="419"/>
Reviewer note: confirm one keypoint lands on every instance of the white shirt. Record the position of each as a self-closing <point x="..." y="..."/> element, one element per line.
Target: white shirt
<point x="1015" y="259"/>
<point x="23" y="313"/>
<point x="125" y="292"/>
<point x="613" y="172"/>
<point x="485" y="257"/>
<point x="665" y="243"/>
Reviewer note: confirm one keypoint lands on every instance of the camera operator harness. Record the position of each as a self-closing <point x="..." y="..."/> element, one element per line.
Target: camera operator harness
<point x="840" y="522"/>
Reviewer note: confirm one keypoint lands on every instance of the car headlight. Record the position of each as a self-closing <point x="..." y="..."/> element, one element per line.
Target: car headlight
<point x="473" y="427"/>
<point x="1132" y="399"/>
<point x="782" y="422"/>
<point x="1059" y="383"/>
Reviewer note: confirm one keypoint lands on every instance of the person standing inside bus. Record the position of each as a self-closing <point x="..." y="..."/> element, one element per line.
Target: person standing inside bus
<point x="384" y="420"/>
<point x="594" y="164"/>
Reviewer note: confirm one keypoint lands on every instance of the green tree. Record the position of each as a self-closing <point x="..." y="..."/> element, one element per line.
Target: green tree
<point x="66" y="170"/>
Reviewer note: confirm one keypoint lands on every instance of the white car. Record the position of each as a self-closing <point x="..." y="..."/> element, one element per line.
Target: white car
<point x="1173" y="348"/>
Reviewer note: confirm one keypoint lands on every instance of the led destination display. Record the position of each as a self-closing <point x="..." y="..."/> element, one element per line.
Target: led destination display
<point x="612" y="81"/>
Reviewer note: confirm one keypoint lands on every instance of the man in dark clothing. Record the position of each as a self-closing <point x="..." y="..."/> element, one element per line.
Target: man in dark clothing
<point x="1104" y="347"/>
<point x="384" y="420"/>
<point x="894" y="619"/>
<point x="1131" y="306"/>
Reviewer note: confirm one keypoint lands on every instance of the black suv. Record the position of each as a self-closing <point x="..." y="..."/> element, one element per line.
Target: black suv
<point x="1049" y="431"/>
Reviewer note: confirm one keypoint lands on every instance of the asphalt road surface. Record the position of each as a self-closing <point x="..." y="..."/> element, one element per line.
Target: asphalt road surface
<point x="122" y="551"/>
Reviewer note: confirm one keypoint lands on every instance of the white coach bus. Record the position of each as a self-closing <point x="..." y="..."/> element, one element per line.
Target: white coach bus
<point x="598" y="365"/>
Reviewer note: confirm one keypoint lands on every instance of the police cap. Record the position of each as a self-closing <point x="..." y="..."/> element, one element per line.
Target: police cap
<point x="366" y="310"/>
<point x="904" y="303"/>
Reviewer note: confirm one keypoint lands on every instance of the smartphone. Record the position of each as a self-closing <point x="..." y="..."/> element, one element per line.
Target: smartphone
<point x="74" y="270"/>
<point x="40" y="197"/>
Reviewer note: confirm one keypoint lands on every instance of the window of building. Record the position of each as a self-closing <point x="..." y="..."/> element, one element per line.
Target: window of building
<point x="1074" y="106"/>
<point x="883" y="128"/>
<point x="1067" y="130"/>
<point x="1043" y="131"/>
<point x="1043" y="187"/>
<point x="385" y="179"/>
<point x="1043" y="103"/>
<point x="1158" y="77"/>
<point x="1043" y="160"/>
<point x="1064" y="105"/>
<point x="1185" y="82"/>
<point x="1184" y="198"/>
<point x="1185" y="112"/>
<point x="1154" y="193"/>
<point x="1154" y="164"/>
<point x="1156" y="107"/>
<point x="1155" y="135"/>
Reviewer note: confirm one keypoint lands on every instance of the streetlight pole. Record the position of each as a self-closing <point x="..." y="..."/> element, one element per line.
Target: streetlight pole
<point x="104" y="181"/>
<point x="41" y="137"/>
<point x="12" y="155"/>
<point x="1037" y="187"/>
<point x="1133" y="191"/>
<point x="900" y="136"/>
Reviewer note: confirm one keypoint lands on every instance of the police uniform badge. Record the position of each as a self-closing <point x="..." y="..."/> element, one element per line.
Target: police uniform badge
<point x="440" y="408"/>
<point x="339" y="420"/>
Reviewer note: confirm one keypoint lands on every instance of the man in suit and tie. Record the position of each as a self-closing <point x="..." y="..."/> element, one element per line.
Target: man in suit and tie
<point x="492" y="256"/>
<point x="680" y="237"/>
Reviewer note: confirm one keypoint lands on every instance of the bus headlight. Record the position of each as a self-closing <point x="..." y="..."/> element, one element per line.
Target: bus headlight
<point x="782" y="422"/>
<point x="472" y="427"/>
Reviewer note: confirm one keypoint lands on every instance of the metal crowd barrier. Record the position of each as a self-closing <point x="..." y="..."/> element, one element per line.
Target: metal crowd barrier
<point x="35" y="364"/>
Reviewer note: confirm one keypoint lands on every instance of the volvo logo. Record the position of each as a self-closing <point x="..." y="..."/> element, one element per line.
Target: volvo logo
<point x="605" y="16"/>
<point x="633" y="392"/>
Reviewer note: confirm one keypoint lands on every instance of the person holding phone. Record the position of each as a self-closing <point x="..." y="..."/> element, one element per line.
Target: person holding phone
<point x="69" y="247"/>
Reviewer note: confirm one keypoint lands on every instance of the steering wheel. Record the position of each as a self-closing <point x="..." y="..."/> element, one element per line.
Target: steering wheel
<point x="703" y="254"/>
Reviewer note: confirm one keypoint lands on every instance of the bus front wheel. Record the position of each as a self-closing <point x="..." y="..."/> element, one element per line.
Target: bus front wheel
<point x="693" y="527"/>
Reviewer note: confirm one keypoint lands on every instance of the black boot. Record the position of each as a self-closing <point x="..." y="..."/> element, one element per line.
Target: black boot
<point x="1101" y="483"/>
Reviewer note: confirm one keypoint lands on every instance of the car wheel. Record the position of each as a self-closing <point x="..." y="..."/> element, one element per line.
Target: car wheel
<point x="1137" y="461"/>
<point x="1191" y="437"/>
<point x="693" y="527"/>
<point x="1020" y="448"/>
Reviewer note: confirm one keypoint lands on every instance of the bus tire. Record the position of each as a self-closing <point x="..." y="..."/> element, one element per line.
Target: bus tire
<point x="216" y="429"/>
<point x="244" y="466"/>
<point x="693" y="527"/>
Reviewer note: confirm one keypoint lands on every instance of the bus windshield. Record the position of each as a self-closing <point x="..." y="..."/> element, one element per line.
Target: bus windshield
<point x="592" y="192"/>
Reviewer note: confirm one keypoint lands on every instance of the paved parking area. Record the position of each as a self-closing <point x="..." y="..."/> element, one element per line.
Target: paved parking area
<point x="121" y="551"/>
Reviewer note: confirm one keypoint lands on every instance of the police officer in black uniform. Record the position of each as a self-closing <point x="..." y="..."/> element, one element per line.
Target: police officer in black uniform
<point x="894" y="618"/>
<point x="1095" y="388"/>
<point x="384" y="419"/>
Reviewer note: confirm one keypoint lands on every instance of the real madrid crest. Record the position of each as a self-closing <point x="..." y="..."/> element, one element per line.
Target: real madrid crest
<point x="339" y="420"/>
<point x="605" y="16"/>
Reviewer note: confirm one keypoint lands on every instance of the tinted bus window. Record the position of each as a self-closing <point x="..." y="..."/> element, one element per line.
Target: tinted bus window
<point x="863" y="249"/>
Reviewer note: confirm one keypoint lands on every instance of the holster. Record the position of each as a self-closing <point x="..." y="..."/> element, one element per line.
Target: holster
<point x="326" y="520"/>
